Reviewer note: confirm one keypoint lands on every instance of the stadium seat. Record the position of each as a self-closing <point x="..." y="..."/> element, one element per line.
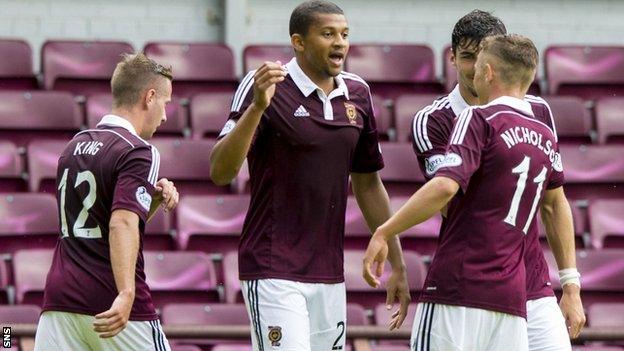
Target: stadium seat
<point x="232" y="347"/>
<point x="16" y="71"/>
<point x="588" y="72"/>
<point x="12" y="176"/>
<point x="158" y="232"/>
<point x="356" y="314"/>
<point x="180" y="277"/>
<point x="573" y="120"/>
<point x="209" y="113"/>
<point x="42" y="160"/>
<point x="383" y="116"/>
<point x="34" y="115"/>
<point x="602" y="275"/>
<point x="182" y="347"/>
<point x="81" y="67"/>
<point x="606" y="223"/>
<point x="205" y="314"/>
<point x="358" y="291"/>
<point x="357" y="233"/>
<point x="233" y="290"/>
<point x="197" y="67"/>
<point x="256" y="55"/>
<point x="30" y="269"/>
<point x="405" y="108"/>
<point x="606" y="315"/>
<point x="4" y="282"/>
<point x="20" y="314"/>
<point x="450" y="74"/>
<point x="593" y="171"/>
<point x="401" y="174"/>
<point x="392" y="70"/>
<point x="100" y="104"/>
<point x="28" y="220"/>
<point x="211" y="223"/>
<point x="422" y="238"/>
<point x="186" y="163"/>
<point x="610" y="119"/>
<point x="597" y="348"/>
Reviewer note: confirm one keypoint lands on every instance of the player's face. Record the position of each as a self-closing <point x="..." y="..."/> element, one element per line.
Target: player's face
<point x="464" y="60"/>
<point x="156" y="110"/>
<point x="326" y="44"/>
<point x="481" y="79"/>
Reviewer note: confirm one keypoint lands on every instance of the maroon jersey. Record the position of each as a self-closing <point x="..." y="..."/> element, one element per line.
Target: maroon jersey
<point x="304" y="149"/>
<point x="99" y="171"/>
<point x="503" y="158"/>
<point x="431" y="130"/>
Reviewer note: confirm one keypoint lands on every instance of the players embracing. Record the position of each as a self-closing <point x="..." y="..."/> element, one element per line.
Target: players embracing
<point x="491" y="168"/>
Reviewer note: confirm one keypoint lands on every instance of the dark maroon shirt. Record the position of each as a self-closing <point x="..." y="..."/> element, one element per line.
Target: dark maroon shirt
<point x="304" y="149"/>
<point x="99" y="171"/>
<point x="431" y="130"/>
<point x="503" y="158"/>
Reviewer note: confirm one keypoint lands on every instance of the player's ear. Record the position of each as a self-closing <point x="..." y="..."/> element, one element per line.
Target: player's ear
<point x="489" y="72"/>
<point x="150" y="97"/>
<point x="297" y="42"/>
<point x="452" y="57"/>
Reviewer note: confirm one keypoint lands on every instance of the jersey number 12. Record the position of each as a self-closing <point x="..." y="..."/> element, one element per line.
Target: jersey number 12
<point x="79" y="229"/>
<point x="523" y="171"/>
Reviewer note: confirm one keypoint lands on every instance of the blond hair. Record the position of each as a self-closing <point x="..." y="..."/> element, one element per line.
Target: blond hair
<point x="516" y="58"/>
<point x="133" y="74"/>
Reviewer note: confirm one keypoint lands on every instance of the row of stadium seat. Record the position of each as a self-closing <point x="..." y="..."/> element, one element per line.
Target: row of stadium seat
<point x="592" y="171"/>
<point x="31" y="220"/>
<point x="607" y="315"/>
<point x="193" y="277"/>
<point x="85" y="67"/>
<point x="28" y="114"/>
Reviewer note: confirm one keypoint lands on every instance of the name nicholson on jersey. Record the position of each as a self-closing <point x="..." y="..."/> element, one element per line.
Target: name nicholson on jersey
<point x="518" y="135"/>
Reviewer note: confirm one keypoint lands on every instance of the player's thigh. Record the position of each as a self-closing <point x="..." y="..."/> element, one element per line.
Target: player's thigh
<point x="327" y="306"/>
<point x="547" y="330"/>
<point x="509" y="332"/>
<point x="60" y="331"/>
<point x="138" y="335"/>
<point x="437" y="327"/>
<point x="278" y="314"/>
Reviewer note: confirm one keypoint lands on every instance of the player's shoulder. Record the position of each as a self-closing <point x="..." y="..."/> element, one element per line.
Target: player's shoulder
<point x="439" y="108"/>
<point x="355" y="84"/>
<point x="120" y="139"/>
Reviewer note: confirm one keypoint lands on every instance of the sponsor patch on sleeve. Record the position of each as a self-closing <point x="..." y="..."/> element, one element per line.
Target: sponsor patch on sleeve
<point x="229" y="125"/>
<point x="435" y="162"/>
<point x="143" y="198"/>
<point x="557" y="163"/>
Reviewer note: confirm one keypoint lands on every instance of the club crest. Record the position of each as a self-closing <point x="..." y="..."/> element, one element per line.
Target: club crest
<point x="275" y="335"/>
<point x="351" y="113"/>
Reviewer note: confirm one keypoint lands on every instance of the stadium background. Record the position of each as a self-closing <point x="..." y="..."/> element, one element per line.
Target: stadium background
<point x="27" y="215"/>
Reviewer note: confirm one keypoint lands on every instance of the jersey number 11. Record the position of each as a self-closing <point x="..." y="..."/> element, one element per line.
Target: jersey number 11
<point x="523" y="170"/>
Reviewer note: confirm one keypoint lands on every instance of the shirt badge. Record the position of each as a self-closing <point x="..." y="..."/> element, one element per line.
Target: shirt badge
<point x="143" y="198"/>
<point x="275" y="335"/>
<point x="351" y="113"/>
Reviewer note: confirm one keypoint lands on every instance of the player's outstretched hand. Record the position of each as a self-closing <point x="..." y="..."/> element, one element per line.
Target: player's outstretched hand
<point x="572" y="309"/>
<point x="376" y="252"/>
<point x="265" y="78"/>
<point x="167" y="194"/>
<point x="397" y="288"/>
<point x="113" y="321"/>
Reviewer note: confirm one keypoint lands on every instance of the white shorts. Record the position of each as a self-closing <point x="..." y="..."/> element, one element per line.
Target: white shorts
<point x="547" y="328"/>
<point x="439" y="327"/>
<point x="62" y="331"/>
<point x="293" y="316"/>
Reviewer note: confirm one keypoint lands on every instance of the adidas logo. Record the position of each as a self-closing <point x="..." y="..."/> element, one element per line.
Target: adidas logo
<point x="301" y="112"/>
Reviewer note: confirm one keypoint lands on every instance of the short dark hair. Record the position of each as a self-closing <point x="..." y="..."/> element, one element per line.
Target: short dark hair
<point x="133" y="74"/>
<point x="475" y="26"/>
<point x="517" y="57"/>
<point x="305" y="14"/>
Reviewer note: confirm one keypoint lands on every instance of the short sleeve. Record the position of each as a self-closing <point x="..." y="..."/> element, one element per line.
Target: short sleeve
<point x="463" y="155"/>
<point x="367" y="157"/>
<point x="241" y="100"/>
<point x="429" y="142"/>
<point x="137" y="174"/>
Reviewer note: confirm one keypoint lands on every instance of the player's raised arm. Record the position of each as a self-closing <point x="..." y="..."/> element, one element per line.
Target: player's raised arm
<point x="228" y="154"/>
<point x="557" y="219"/>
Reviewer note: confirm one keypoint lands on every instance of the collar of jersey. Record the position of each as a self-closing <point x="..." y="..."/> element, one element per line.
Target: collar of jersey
<point x="513" y="102"/>
<point x="307" y="86"/>
<point x="112" y="120"/>
<point x="458" y="104"/>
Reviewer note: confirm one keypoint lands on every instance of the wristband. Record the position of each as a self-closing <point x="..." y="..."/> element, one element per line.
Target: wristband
<point x="569" y="276"/>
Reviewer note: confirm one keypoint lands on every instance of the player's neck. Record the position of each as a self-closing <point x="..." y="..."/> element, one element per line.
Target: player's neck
<point x="322" y="80"/>
<point x="515" y="92"/>
<point x="470" y="99"/>
<point x="130" y="116"/>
